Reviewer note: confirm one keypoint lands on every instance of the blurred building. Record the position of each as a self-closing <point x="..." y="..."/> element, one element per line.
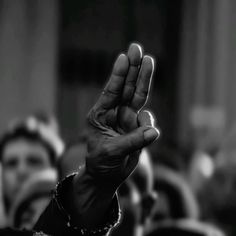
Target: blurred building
<point x="56" y="55"/>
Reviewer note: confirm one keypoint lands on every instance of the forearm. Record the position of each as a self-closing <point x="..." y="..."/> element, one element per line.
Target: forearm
<point x="78" y="207"/>
<point x="91" y="200"/>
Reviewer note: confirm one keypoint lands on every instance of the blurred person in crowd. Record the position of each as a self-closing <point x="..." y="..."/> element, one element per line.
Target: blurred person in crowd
<point x="47" y="119"/>
<point x="137" y="198"/>
<point x="218" y="192"/>
<point x="170" y="156"/>
<point x="143" y="176"/>
<point x="227" y="151"/>
<point x="217" y="198"/>
<point x="129" y="199"/>
<point x="86" y="203"/>
<point x="143" y="179"/>
<point x="176" y="212"/>
<point x="27" y="146"/>
<point x="208" y="125"/>
<point x="32" y="199"/>
<point x="175" y="198"/>
<point x="185" y="228"/>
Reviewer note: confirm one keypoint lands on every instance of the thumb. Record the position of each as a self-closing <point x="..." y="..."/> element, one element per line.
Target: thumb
<point x="137" y="139"/>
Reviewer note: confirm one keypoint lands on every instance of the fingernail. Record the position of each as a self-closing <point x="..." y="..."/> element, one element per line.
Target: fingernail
<point x="148" y="57"/>
<point x="133" y="49"/>
<point x="122" y="57"/>
<point x="151" y="134"/>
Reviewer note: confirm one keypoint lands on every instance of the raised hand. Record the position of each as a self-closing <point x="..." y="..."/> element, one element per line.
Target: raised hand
<point x="118" y="128"/>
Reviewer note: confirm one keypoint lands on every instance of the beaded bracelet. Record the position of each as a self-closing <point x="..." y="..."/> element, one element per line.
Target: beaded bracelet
<point x="113" y="217"/>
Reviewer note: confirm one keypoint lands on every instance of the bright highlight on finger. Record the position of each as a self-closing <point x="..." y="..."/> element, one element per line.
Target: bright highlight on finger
<point x="135" y="54"/>
<point x="121" y="65"/>
<point x="146" y="118"/>
<point x="135" y="58"/>
<point x="143" y="84"/>
<point x="150" y="61"/>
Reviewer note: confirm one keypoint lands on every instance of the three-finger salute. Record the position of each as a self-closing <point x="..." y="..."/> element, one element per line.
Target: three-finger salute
<point x="118" y="127"/>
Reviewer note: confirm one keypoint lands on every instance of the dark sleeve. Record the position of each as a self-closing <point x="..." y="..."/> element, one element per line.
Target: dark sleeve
<point x="15" y="232"/>
<point x="56" y="221"/>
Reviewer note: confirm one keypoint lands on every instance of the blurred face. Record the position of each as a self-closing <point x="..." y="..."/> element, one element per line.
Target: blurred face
<point x="21" y="158"/>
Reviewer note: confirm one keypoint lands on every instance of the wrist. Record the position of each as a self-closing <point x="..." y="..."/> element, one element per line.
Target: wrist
<point x="84" y="182"/>
<point x="70" y="220"/>
<point x="91" y="200"/>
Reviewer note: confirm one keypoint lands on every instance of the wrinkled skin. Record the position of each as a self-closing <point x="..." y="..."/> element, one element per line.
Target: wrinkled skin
<point x="117" y="122"/>
<point x="118" y="129"/>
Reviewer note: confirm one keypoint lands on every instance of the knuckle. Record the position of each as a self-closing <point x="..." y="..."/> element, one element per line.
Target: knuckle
<point x="91" y="116"/>
<point x="110" y="92"/>
<point x="131" y="82"/>
<point x="105" y="149"/>
<point x="94" y="117"/>
<point x="142" y="94"/>
<point x="130" y="143"/>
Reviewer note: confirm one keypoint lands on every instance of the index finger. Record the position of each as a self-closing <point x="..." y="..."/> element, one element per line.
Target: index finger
<point x="114" y="88"/>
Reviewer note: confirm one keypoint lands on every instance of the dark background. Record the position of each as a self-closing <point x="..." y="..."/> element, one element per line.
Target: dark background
<point x="92" y="33"/>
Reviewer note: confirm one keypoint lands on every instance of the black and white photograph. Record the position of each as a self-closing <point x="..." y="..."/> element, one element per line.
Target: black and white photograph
<point x="117" y="117"/>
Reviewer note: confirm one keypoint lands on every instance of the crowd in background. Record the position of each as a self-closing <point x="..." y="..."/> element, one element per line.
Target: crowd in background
<point x="165" y="195"/>
<point x="51" y="61"/>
